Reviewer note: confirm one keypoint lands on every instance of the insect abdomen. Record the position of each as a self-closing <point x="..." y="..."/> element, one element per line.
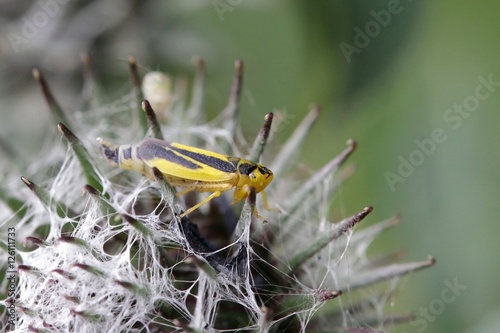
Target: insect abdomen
<point x="123" y="156"/>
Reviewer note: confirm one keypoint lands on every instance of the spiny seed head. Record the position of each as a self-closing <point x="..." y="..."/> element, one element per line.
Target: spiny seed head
<point x="122" y="259"/>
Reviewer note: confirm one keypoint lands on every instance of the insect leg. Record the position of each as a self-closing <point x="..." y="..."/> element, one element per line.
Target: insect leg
<point x="266" y="204"/>
<point x="207" y="199"/>
<point x="257" y="215"/>
<point x="187" y="190"/>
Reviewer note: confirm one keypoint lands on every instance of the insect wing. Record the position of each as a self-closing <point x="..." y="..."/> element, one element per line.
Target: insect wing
<point x="186" y="162"/>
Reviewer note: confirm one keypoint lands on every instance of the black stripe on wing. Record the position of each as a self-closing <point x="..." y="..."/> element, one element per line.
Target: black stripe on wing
<point x="246" y="168"/>
<point x="151" y="149"/>
<point x="214" y="162"/>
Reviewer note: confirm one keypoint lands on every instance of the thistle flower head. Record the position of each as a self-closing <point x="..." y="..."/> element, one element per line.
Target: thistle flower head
<point x="119" y="258"/>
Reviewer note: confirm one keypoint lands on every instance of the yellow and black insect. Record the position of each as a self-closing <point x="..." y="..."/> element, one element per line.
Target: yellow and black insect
<point x="191" y="168"/>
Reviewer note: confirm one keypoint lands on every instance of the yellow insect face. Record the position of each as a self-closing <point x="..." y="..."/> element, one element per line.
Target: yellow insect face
<point x="251" y="175"/>
<point x="261" y="177"/>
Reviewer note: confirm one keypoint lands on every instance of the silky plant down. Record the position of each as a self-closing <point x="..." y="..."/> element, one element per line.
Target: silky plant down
<point x="118" y="258"/>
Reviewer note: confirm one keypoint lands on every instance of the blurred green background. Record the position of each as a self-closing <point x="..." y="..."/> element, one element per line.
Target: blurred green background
<point x="386" y="87"/>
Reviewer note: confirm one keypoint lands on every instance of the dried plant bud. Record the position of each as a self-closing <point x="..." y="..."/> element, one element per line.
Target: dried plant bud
<point x="157" y="89"/>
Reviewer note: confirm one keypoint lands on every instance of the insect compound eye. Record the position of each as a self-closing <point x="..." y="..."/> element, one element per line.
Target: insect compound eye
<point x="254" y="177"/>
